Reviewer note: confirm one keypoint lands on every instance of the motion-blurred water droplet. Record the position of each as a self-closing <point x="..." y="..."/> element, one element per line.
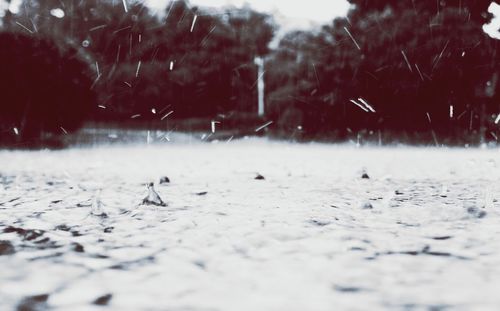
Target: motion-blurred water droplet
<point x="58" y="13"/>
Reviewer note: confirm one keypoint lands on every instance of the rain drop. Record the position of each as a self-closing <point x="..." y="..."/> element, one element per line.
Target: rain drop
<point x="58" y="13"/>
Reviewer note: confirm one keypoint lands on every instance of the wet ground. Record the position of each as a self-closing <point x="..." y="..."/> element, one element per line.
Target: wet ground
<point x="422" y="232"/>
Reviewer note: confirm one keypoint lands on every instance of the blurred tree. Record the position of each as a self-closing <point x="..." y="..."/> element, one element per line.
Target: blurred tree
<point x="103" y="27"/>
<point x="253" y="31"/>
<point x="45" y="88"/>
<point x="195" y="63"/>
<point x="6" y="15"/>
<point x="207" y="59"/>
<point x="318" y="70"/>
<point x="426" y="67"/>
<point x="474" y="9"/>
<point x="422" y="73"/>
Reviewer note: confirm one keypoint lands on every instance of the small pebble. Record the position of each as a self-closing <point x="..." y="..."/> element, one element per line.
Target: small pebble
<point x="200" y="264"/>
<point x="33" y="303"/>
<point x="103" y="300"/>
<point x="347" y="289"/>
<point x="319" y="223"/>
<point x="259" y="177"/>
<point x="77" y="247"/>
<point x="6" y="248"/>
<point x="62" y="227"/>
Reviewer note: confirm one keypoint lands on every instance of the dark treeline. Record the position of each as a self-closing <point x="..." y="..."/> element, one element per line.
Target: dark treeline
<point x="425" y="67"/>
<point x="409" y="70"/>
<point x="188" y="63"/>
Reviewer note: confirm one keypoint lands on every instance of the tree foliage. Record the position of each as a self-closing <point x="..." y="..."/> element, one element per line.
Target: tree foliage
<point x="191" y="61"/>
<point x="45" y="88"/>
<point x="426" y="73"/>
<point x="422" y="68"/>
<point x="476" y="10"/>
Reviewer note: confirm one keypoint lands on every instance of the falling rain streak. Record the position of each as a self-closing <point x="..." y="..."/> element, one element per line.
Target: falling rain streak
<point x="203" y="42"/>
<point x="24" y="27"/>
<point x="359" y="105"/>
<point x="167" y="115"/>
<point x="440" y="55"/>
<point x="419" y="72"/>
<point x="260" y="128"/>
<point x="138" y="68"/>
<point x="363" y="104"/>
<point x="497" y="120"/>
<point x="194" y="22"/>
<point x="97" y="69"/>
<point x="352" y="38"/>
<point x="125" y="6"/>
<point x="213" y="123"/>
<point x="406" y="60"/>
<point x="97" y="27"/>
<point x="368" y="106"/>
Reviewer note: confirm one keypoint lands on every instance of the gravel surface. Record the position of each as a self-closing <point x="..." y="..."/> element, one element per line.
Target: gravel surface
<point x="250" y="225"/>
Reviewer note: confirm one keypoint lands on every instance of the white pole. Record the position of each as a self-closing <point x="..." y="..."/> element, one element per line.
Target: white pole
<point x="259" y="61"/>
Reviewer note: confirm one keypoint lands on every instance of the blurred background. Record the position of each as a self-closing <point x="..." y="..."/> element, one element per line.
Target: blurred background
<point x="377" y="72"/>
